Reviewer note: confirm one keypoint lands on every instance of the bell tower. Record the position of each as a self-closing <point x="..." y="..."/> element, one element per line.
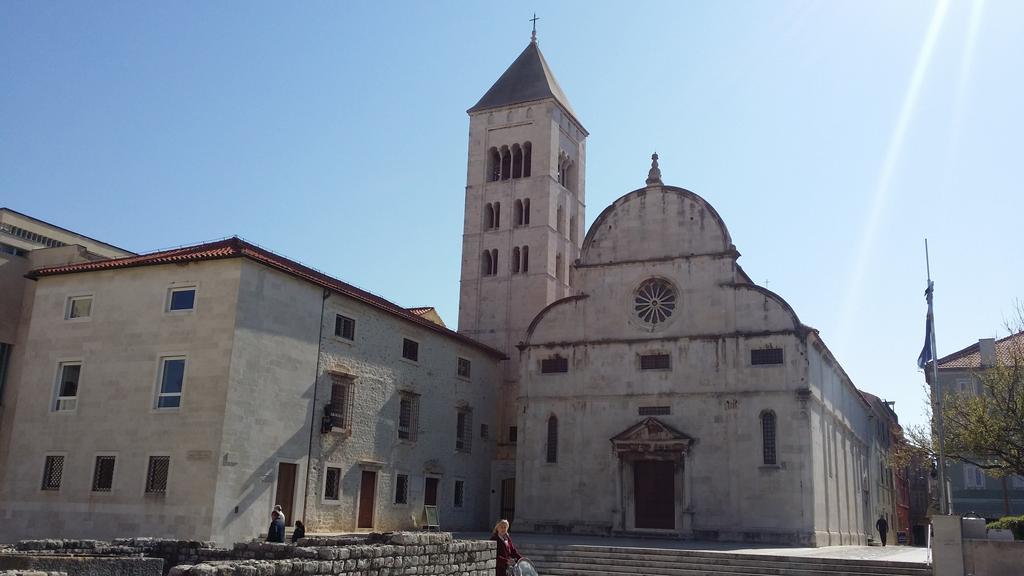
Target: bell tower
<point x="524" y="217"/>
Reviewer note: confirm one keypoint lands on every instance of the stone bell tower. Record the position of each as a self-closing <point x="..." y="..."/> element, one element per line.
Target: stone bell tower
<point x="524" y="217"/>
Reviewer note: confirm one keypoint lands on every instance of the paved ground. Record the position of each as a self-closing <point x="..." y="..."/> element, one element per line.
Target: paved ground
<point x="889" y="553"/>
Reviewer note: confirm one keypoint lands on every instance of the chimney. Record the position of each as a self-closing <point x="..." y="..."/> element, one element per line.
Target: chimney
<point x="987" y="349"/>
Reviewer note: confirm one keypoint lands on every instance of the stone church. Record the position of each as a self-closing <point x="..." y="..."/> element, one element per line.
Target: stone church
<point x="652" y="387"/>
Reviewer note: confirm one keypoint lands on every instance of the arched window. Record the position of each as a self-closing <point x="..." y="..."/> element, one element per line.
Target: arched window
<point x="526" y="259"/>
<point x="527" y="153"/>
<point x="517" y="213"/>
<point x="526" y="212"/>
<point x="493" y="165"/>
<point x="485" y="263"/>
<point x="497" y="214"/>
<point x="768" y="437"/>
<point x="552" y="448"/>
<point x="494" y="262"/>
<point x="515" y="260"/>
<point x="572" y="229"/>
<point x="517" y="161"/>
<point x="558" y="266"/>
<point x="559" y="219"/>
<point x="488" y="216"/>
<point x="506" y="163"/>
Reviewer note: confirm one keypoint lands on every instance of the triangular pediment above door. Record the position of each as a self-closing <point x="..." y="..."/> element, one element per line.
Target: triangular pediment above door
<point x="651" y="435"/>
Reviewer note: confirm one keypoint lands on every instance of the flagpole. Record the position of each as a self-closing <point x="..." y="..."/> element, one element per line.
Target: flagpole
<point x="936" y="390"/>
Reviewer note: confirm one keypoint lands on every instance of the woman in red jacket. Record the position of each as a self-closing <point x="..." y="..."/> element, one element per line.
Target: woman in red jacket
<point x="507" y="553"/>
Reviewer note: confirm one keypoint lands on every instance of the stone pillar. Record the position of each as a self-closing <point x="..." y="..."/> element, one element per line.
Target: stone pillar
<point x="947" y="546"/>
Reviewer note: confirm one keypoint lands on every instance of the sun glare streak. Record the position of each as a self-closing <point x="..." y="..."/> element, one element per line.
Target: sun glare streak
<point x="881" y="194"/>
<point x="966" y="60"/>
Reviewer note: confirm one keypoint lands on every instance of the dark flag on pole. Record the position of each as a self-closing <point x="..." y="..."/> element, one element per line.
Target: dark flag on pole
<point x="926" y="353"/>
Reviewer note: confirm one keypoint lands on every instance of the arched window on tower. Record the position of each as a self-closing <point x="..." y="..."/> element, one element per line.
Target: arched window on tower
<point x="527" y="154"/>
<point x="494" y="262"/>
<point x="485" y="263"/>
<point x="526" y="259"/>
<point x="506" y="163"/>
<point x="552" y="443"/>
<point x="572" y="229"/>
<point x="517" y="213"/>
<point x="488" y="216"/>
<point x="526" y="212"/>
<point x="517" y="161"/>
<point x="558" y="266"/>
<point x="768" y="437"/>
<point x="493" y="165"/>
<point x="560" y="219"/>
<point x="515" y="260"/>
<point x="497" y="214"/>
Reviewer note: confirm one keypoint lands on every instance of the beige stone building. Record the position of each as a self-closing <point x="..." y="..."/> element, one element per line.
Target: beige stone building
<point x="184" y="393"/>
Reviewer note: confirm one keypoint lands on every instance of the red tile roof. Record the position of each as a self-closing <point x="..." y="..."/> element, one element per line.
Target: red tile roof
<point x="970" y="357"/>
<point x="235" y="247"/>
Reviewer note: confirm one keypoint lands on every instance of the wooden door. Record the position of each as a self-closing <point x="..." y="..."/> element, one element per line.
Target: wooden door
<point x="430" y="492"/>
<point x="286" y="490"/>
<point x="654" y="491"/>
<point x="508" y="499"/>
<point x="367" y="498"/>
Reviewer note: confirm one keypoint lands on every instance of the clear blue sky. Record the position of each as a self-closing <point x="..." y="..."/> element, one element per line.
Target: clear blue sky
<point x="833" y="137"/>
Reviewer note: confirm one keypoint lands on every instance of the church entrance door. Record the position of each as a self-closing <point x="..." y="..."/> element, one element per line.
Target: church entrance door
<point x="654" y="494"/>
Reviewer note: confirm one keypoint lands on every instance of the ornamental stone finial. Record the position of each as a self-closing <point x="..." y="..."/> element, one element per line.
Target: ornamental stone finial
<point x="654" y="176"/>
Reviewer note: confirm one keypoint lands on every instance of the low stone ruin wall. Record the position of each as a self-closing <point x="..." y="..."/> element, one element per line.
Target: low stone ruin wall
<point x="398" y="554"/>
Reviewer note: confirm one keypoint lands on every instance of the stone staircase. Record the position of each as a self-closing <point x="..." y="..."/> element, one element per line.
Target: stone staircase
<point x="577" y="560"/>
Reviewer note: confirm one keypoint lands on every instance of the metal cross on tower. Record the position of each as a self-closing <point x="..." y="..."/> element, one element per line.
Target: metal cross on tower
<point x="533" y="37"/>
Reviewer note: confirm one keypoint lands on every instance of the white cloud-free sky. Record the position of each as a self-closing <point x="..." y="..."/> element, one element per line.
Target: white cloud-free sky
<point x="832" y="137"/>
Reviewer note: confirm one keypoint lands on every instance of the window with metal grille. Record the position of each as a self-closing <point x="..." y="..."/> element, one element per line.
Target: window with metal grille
<point x="156" y="475"/>
<point x="460" y="493"/>
<point x="552" y="447"/>
<point x="332" y="484"/>
<point x="340" y="406"/>
<point x="408" y="416"/>
<point x="768" y="437"/>
<point x="766" y="356"/>
<point x="655" y="410"/>
<point x="513" y="434"/>
<point x="464" y="367"/>
<point x="53" y="472"/>
<point x="464" y="430"/>
<point x="344" y="327"/>
<point x="485" y="431"/>
<point x="410" y="350"/>
<point x="554" y="365"/>
<point x="402" y="489"/>
<point x="103" y="474"/>
<point x="655" y="362"/>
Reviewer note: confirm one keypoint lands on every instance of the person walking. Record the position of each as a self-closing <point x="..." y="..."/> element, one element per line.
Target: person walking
<point x="507" y="553"/>
<point x="883" y="528"/>
<point x="276" y="531"/>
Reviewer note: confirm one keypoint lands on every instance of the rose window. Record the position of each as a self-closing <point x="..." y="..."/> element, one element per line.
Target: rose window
<point x="655" y="301"/>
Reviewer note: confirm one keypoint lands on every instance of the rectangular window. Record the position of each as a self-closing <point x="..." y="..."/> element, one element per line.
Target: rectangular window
<point x="156" y="474"/>
<point x="655" y="362"/>
<point x="513" y="434"/>
<point x="332" y="484"/>
<point x="78" y="307"/>
<point x="464" y="367"/>
<point x="402" y="489"/>
<point x="460" y="493"/>
<point x="53" y="471"/>
<point x="103" y="474"/>
<point x="554" y="365"/>
<point x="655" y="410"/>
<point x="172" y="379"/>
<point x="766" y="356"/>
<point x="408" y="416"/>
<point x="344" y="327"/>
<point x="5" y="359"/>
<point x="974" y="477"/>
<point x="339" y="410"/>
<point x="67" y="386"/>
<point x="410" y="350"/>
<point x="485" y="431"/>
<point x="181" y="299"/>
<point x="464" y="430"/>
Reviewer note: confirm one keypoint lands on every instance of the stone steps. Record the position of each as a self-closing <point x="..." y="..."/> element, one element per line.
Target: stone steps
<point x="576" y="560"/>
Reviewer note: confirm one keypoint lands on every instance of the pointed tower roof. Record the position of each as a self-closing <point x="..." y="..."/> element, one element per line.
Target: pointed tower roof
<point x="528" y="79"/>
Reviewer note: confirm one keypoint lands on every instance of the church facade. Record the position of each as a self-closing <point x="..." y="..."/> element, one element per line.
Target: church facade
<point x="653" y="388"/>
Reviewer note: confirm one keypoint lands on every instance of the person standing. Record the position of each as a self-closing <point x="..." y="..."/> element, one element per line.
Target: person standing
<point x="883" y="528"/>
<point x="507" y="553"/>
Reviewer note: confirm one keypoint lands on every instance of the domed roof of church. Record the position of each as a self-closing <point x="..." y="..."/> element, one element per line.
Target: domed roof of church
<point x="528" y="79"/>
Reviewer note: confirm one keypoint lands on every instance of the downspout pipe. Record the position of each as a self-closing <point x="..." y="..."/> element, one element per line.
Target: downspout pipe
<point x="312" y="424"/>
